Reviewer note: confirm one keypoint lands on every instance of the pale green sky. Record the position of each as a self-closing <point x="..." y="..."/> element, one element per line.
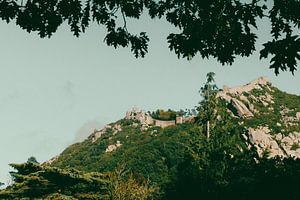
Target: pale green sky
<point x="54" y="89"/>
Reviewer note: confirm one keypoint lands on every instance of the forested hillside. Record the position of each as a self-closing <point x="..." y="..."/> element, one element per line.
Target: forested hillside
<point x="242" y="144"/>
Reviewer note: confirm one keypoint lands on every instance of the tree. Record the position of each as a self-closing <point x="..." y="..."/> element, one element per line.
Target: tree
<point x="207" y="107"/>
<point x="35" y="181"/>
<point x="32" y="159"/>
<point x="221" y="29"/>
<point x="124" y="185"/>
<point x="206" y="169"/>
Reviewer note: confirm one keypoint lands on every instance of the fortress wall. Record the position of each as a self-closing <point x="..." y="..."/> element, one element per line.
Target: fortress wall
<point x="188" y="119"/>
<point x="179" y="120"/>
<point x="164" y="124"/>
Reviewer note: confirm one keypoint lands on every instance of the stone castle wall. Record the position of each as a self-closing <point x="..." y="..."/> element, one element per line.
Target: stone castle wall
<point x="146" y="120"/>
<point x="164" y="124"/>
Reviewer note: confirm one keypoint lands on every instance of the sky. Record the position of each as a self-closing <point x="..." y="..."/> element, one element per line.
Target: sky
<point x="54" y="92"/>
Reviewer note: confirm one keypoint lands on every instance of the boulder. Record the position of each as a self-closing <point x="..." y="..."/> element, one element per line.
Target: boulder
<point x="298" y="116"/>
<point x="113" y="147"/>
<point x="263" y="141"/>
<point x="241" y="108"/>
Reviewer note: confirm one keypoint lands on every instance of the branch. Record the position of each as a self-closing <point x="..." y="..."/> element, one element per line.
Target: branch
<point x="124" y="20"/>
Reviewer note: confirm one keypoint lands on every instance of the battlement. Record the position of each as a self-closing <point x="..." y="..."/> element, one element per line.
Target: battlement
<point x="147" y="120"/>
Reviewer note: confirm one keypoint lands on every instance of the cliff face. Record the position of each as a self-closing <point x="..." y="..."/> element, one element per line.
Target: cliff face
<point x="272" y="117"/>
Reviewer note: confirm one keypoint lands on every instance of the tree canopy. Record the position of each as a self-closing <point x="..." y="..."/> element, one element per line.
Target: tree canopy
<point x="220" y="29"/>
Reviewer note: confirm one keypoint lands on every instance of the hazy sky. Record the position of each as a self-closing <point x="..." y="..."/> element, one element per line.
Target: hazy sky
<point x="54" y="91"/>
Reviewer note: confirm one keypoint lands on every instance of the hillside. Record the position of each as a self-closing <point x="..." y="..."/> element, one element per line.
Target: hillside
<point x="152" y="152"/>
<point x="253" y="149"/>
<point x="267" y="118"/>
<point x="272" y="118"/>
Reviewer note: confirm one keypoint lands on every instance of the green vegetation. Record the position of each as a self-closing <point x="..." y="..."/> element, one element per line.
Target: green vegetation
<point x="124" y="186"/>
<point x="173" y="163"/>
<point x="164" y="115"/>
<point x="295" y="146"/>
<point x="32" y="180"/>
<point x="274" y="115"/>
<point x="35" y="181"/>
<point x="153" y="153"/>
<point x="207" y="109"/>
<point x="32" y="159"/>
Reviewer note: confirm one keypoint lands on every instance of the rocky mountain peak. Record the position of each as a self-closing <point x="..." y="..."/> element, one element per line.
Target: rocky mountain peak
<point x="240" y="99"/>
<point x="255" y="84"/>
<point x="270" y="116"/>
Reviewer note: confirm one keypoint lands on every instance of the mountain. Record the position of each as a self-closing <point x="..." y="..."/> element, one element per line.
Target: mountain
<point x="253" y="149"/>
<point x="154" y="148"/>
<point x="271" y="117"/>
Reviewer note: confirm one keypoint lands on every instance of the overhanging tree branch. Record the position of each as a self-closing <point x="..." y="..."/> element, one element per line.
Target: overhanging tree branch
<point x="223" y="29"/>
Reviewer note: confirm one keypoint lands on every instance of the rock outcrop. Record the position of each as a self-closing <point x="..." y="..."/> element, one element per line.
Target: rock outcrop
<point x="241" y="108"/>
<point x="240" y="104"/>
<point x="98" y="133"/>
<point x="298" y="116"/>
<point x="113" y="147"/>
<point x="254" y="100"/>
<point x="264" y="142"/>
<point x="256" y="84"/>
<point x="274" y="145"/>
<point x="144" y="118"/>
